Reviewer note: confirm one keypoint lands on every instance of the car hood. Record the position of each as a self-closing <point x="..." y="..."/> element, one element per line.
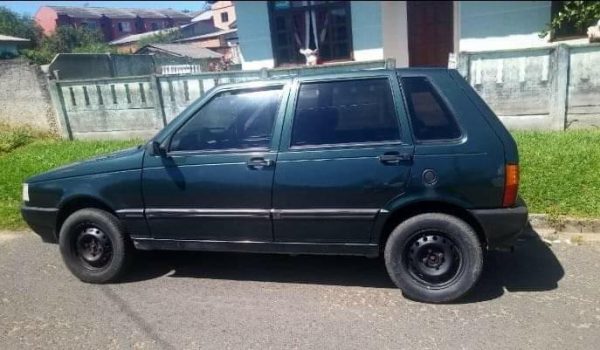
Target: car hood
<point x="126" y="159"/>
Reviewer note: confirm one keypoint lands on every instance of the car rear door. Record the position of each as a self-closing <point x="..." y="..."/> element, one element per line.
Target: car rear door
<point x="345" y="152"/>
<point x="215" y="181"/>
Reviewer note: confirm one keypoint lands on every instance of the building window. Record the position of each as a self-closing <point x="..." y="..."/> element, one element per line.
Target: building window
<point x="224" y="17"/>
<point x="89" y="25"/>
<point x="124" y="27"/>
<point x="567" y="30"/>
<point x="322" y="25"/>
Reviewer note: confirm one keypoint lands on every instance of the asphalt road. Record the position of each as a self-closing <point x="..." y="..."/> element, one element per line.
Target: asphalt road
<point x="537" y="297"/>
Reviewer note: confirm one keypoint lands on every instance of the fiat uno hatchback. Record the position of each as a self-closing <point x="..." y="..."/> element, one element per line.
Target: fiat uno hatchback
<point x="408" y="164"/>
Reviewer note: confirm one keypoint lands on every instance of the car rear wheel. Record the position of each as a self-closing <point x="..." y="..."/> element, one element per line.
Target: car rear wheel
<point x="94" y="246"/>
<point x="434" y="257"/>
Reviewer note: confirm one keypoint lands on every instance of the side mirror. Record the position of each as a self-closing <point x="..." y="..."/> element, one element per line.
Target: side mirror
<point x="158" y="150"/>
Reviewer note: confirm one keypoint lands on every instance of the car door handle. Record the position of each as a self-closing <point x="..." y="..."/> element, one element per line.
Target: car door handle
<point x="394" y="157"/>
<point x="259" y="163"/>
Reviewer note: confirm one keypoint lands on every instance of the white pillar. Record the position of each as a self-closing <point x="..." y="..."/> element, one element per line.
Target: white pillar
<point x="395" y="31"/>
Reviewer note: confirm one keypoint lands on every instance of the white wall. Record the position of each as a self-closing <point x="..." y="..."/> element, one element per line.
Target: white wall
<point x="255" y="38"/>
<point x="367" y="38"/>
<point x="499" y="25"/>
<point x="395" y="31"/>
<point x="254" y="34"/>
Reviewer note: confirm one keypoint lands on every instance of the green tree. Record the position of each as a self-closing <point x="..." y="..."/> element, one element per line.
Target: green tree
<point x="13" y="24"/>
<point x="578" y="14"/>
<point x="165" y="36"/>
<point x="67" y="39"/>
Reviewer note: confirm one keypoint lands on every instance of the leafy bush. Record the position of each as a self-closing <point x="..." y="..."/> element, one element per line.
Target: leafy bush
<point x="164" y="37"/>
<point x="68" y="39"/>
<point x="575" y="14"/>
<point x="94" y="48"/>
<point x="12" y="137"/>
<point x="38" y="56"/>
<point x="11" y="23"/>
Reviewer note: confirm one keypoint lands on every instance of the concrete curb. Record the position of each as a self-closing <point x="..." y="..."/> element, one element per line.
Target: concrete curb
<point x="565" y="229"/>
<point x="564" y="224"/>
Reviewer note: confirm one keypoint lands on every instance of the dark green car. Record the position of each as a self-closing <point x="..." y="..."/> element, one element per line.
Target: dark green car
<point x="409" y="164"/>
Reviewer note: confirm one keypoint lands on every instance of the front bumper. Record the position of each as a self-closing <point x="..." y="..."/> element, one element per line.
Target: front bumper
<point x="42" y="221"/>
<point x="502" y="226"/>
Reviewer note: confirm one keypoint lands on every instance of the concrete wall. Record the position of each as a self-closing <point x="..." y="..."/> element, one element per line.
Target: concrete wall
<point x="584" y="87"/>
<point x="546" y="88"/>
<point x="89" y="66"/>
<point x="501" y="25"/>
<point x="24" y="96"/>
<point x="140" y="106"/>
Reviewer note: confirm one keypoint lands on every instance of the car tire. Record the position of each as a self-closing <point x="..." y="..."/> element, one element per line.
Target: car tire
<point x="94" y="246"/>
<point x="434" y="257"/>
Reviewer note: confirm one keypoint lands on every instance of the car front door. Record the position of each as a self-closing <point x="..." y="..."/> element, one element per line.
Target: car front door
<point x="215" y="179"/>
<point x="345" y="152"/>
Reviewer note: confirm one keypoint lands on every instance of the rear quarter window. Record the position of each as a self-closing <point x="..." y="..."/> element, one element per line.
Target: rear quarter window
<point x="431" y="118"/>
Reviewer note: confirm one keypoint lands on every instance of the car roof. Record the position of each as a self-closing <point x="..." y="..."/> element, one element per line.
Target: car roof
<point x="307" y="74"/>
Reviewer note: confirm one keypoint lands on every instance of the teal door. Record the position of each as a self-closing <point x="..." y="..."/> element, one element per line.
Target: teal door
<point x="345" y="152"/>
<point x="216" y="179"/>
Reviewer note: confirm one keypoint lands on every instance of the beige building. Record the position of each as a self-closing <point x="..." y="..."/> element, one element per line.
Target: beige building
<point x="223" y="14"/>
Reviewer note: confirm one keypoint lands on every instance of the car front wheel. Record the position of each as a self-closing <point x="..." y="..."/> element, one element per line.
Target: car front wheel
<point x="434" y="257"/>
<point x="94" y="246"/>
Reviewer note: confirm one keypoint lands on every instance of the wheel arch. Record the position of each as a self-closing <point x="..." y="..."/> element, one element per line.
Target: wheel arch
<point x="401" y="213"/>
<point x="73" y="204"/>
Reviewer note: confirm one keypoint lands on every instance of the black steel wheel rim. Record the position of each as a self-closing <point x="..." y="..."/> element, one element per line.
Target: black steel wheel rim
<point x="93" y="247"/>
<point x="433" y="259"/>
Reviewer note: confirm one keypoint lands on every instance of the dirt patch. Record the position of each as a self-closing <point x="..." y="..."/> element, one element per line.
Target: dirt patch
<point x="6" y="236"/>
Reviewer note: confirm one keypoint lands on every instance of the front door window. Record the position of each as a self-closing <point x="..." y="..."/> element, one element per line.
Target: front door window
<point x="231" y="120"/>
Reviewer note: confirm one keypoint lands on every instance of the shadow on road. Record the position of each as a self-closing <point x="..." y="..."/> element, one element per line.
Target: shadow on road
<point x="531" y="267"/>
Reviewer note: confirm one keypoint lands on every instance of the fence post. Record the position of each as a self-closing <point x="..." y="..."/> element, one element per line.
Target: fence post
<point x="560" y="88"/>
<point x="159" y="107"/>
<point x="58" y="102"/>
<point x="463" y="64"/>
<point x="264" y="73"/>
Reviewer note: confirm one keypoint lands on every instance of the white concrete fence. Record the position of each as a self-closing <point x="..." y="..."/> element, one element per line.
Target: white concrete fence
<point x="544" y="88"/>
<point x="180" y="69"/>
<point x="552" y="88"/>
<point x="129" y="107"/>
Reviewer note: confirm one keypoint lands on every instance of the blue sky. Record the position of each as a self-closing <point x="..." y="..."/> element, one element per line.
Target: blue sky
<point x="29" y="7"/>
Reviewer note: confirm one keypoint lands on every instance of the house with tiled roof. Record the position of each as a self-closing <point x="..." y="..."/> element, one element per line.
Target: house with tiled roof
<point x="214" y="29"/>
<point x="114" y="23"/>
<point x="9" y="45"/>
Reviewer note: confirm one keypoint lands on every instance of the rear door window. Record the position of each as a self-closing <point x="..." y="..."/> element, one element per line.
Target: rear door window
<point x="345" y="112"/>
<point x="430" y="117"/>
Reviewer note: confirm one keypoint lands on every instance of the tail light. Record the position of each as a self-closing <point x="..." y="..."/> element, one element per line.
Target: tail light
<point x="511" y="185"/>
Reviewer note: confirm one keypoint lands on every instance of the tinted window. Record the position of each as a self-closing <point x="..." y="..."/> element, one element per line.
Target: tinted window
<point x="345" y="112"/>
<point x="231" y="120"/>
<point x="431" y="119"/>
